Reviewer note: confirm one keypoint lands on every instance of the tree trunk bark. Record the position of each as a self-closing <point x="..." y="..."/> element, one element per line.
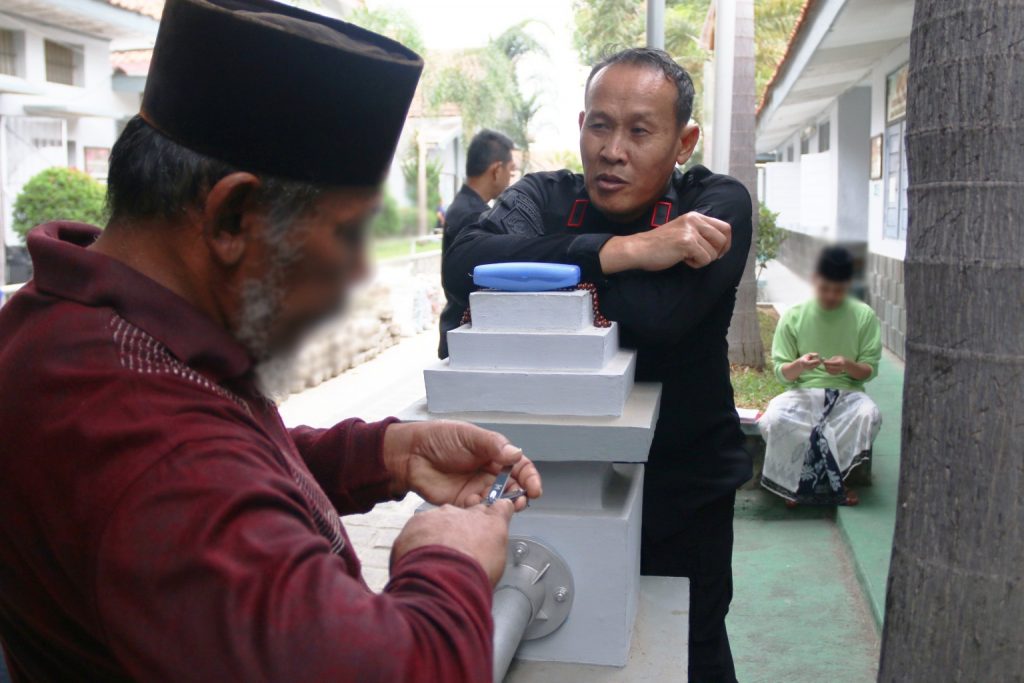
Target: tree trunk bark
<point x="745" y="347"/>
<point x="955" y="603"/>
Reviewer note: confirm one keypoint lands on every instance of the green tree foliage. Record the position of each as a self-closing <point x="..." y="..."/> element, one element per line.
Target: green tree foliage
<point x="391" y="22"/>
<point x="410" y="171"/>
<point x="769" y="237"/>
<point x="604" y="26"/>
<point x="774" y="23"/>
<point x="59" y="193"/>
<point x="485" y="84"/>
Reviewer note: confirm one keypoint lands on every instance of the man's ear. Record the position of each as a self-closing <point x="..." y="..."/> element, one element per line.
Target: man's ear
<point x="225" y="228"/>
<point x="688" y="138"/>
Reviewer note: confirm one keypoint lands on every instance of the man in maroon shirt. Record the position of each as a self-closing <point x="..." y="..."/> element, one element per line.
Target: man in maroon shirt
<point x="159" y="521"/>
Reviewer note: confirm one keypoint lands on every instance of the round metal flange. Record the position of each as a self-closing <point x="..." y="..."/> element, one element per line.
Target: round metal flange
<point x="550" y="570"/>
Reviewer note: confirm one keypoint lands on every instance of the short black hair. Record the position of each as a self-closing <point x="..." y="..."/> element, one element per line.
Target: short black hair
<point x="151" y="176"/>
<point x="656" y="59"/>
<point x="487" y="147"/>
<point x="835" y="264"/>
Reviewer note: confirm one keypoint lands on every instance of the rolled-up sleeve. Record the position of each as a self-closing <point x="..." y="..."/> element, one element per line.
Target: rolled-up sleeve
<point x="210" y="568"/>
<point x="347" y="461"/>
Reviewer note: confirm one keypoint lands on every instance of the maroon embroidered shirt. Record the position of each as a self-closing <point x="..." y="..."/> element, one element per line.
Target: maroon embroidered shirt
<point x="159" y="523"/>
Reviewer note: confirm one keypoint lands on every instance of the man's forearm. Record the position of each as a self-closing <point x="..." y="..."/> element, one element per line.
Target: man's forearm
<point x="792" y="371"/>
<point x="858" y="371"/>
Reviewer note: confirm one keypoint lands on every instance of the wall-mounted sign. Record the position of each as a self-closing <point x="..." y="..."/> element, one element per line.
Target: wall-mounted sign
<point x="97" y="161"/>
<point x="876" y="157"/>
<point x="896" y="94"/>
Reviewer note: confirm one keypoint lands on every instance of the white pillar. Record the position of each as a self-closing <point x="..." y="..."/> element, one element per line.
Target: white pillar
<point x="717" y="157"/>
<point x="656" y="24"/>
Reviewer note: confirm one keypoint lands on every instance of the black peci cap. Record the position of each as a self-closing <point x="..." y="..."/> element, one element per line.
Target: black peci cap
<point x="278" y="90"/>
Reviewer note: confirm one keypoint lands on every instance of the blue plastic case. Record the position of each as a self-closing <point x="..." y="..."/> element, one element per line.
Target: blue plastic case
<point x="526" y="277"/>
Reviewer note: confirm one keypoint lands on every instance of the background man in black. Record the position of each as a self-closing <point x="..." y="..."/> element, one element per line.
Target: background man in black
<point x="489" y="169"/>
<point x="666" y="250"/>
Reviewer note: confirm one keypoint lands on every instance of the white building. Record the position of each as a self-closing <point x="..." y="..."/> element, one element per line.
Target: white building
<point x="57" y="103"/>
<point x="833" y="120"/>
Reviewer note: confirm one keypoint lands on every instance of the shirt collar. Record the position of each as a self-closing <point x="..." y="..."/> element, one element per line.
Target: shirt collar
<point x="64" y="267"/>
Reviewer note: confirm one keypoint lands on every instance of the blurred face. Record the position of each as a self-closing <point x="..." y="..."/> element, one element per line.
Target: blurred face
<point x="830" y="295"/>
<point x="630" y="139"/>
<point x="303" y="271"/>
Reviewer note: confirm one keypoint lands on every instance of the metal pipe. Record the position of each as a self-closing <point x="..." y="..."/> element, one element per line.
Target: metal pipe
<point x="656" y="24"/>
<point x="512" y="613"/>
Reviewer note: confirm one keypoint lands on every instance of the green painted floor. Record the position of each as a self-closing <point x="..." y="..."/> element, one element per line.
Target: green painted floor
<point x="810" y="582"/>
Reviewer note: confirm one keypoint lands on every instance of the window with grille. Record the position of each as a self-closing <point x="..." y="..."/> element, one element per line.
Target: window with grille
<point x="62" y="63"/>
<point x="8" y="52"/>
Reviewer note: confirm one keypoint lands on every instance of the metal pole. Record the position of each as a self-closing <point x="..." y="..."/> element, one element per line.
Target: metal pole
<point x="512" y="613"/>
<point x="656" y="24"/>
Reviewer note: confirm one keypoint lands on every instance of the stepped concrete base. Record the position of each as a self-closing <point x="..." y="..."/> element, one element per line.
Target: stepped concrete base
<point x="590" y="515"/>
<point x="532" y="311"/>
<point x="552" y="392"/>
<point x="588" y="349"/>
<point x="658" y="653"/>
<point x="555" y="438"/>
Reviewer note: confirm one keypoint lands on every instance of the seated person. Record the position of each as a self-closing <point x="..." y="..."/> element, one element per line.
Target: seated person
<point x="489" y="169"/>
<point x="823" y="426"/>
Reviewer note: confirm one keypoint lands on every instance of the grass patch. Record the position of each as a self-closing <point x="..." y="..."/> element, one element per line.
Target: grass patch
<point x="404" y="246"/>
<point x="755" y="388"/>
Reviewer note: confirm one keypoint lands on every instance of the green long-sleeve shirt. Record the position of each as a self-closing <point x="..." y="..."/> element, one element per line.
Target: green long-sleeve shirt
<point x="851" y="331"/>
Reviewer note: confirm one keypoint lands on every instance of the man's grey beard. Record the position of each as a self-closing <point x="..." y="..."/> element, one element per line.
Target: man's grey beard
<point x="261" y="302"/>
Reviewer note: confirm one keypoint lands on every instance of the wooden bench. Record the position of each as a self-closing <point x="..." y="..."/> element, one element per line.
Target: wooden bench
<point x="859" y="477"/>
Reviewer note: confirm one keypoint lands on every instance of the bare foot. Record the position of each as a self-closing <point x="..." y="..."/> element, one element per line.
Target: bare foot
<point x="791" y="504"/>
<point x="851" y="497"/>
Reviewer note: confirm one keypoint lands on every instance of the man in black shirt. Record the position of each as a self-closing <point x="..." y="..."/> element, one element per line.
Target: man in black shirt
<point x="489" y="168"/>
<point x="666" y="250"/>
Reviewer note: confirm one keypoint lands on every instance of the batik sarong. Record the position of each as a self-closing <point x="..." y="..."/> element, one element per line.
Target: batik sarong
<point x="814" y="438"/>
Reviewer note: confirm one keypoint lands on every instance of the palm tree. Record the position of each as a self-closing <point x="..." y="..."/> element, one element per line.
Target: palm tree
<point x="745" y="347"/>
<point x="956" y="588"/>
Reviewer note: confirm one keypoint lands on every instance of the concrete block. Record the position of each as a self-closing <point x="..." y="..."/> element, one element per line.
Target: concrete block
<point x="625" y="438"/>
<point x="532" y="311"/>
<point x="591" y="517"/>
<point x="659" y="650"/>
<point x="588" y="349"/>
<point x="552" y="392"/>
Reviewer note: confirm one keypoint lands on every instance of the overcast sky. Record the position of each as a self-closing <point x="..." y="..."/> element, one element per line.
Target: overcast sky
<point x="459" y="24"/>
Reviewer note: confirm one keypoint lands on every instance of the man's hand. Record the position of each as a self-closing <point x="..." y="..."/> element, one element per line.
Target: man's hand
<point x="694" y="239"/>
<point x="480" y="532"/>
<point x="808" y="361"/>
<point x="836" y="365"/>
<point x="454" y="462"/>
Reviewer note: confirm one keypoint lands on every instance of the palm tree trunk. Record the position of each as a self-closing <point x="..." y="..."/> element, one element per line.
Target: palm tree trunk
<point x="955" y="604"/>
<point x="745" y="346"/>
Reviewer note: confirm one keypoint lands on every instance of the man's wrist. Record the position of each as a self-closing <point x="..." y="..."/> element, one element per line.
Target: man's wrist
<point x="396" y="450"/>
<point x="616" y="255"/>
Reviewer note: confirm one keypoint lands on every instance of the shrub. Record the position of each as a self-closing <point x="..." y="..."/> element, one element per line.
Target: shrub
<point x="388" y="221"/>
<point x="59" y="194"/>
<point x="769" y="237"/>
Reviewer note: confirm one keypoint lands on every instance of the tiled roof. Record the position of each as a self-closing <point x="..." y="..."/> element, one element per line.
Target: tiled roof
<point x="149" y="8"/>
<point x="131" y="62"/>
<point x="801" y="25"/>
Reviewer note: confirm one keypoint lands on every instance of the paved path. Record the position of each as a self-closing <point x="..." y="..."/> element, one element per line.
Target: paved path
<point x="373" y="390"/>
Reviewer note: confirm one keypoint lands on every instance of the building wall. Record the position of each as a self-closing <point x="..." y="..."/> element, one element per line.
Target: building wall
<point x="885" y="255"/>
<point x="886" y="296"/>
<point x="877" y="242"/>
<point x="852" y="162"/>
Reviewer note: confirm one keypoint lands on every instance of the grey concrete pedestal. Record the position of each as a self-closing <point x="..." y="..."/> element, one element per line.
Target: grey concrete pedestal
<point x="658" y="651"/>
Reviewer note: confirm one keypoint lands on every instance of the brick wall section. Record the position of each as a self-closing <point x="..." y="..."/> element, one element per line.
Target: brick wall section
<point x="886" y="296"/>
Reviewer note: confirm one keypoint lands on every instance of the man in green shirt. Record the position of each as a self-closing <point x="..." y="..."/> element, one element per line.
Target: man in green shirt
<point x="822" y="427"/>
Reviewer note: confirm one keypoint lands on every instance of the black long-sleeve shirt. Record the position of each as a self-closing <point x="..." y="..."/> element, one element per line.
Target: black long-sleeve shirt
<point x="465" y="209"/>
<point x="676" y="319"/>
